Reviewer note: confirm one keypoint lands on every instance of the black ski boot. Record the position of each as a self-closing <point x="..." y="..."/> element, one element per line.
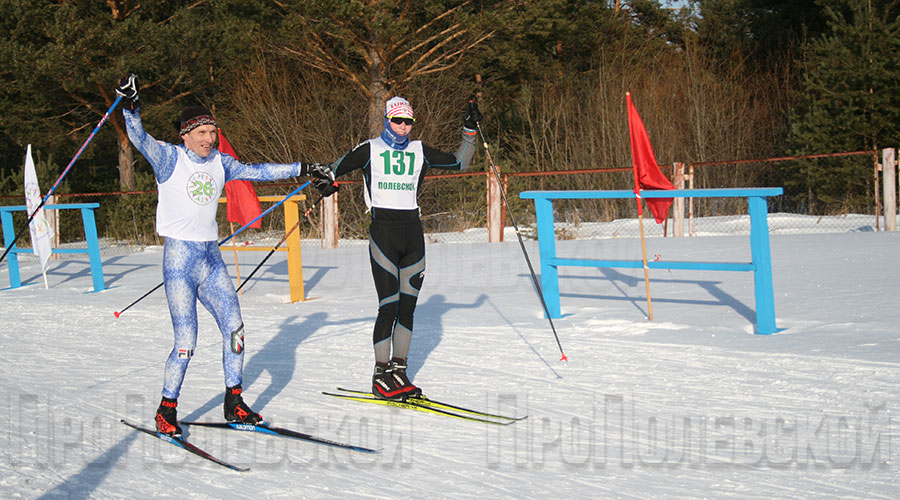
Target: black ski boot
<point x="397" y="369"/>
<point x="167" y="417"/>
<point x="238" y="411"/>
<point x="383" y="386"/>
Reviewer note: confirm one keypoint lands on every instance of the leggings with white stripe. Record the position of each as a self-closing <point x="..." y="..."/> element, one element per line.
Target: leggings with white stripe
<point x="397" y="255"/>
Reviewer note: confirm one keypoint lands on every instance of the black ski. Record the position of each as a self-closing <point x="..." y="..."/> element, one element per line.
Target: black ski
<point x="181" y="443"/>
<point x="279" y="431"/>
<point x="431" y="403"/>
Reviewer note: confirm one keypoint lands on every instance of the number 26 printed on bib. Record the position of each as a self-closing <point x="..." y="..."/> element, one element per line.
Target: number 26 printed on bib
<point x="201" y="188"/>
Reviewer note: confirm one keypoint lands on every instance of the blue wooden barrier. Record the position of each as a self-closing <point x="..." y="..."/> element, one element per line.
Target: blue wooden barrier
<point x="90" y="235"/>
<point x="760" y="264"/>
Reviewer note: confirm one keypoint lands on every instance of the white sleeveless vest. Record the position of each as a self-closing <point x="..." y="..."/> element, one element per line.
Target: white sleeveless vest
<point x="395" y="175"/>
<point x="189" y="198"/>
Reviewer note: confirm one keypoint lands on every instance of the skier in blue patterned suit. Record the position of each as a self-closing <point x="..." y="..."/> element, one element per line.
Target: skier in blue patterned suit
<point x="190" y="178"/>
<point x="393" y="167"/>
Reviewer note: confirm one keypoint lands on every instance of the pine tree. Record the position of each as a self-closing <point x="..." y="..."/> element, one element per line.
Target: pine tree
<point x="62" y="60"/>
<point x="378" y="47"/>
<point x="850" y="102"/>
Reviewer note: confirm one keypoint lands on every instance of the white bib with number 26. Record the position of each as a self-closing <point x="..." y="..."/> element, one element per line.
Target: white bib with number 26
<point x="189" y="198"/>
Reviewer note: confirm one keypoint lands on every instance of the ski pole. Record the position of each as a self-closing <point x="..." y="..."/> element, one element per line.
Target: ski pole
<point x="534" y="279"/>
<point x="277" y="245"/>
<point x="232" y="235"/>
<point x="260" y="216"/>
<point x="118" y="313"/>
<point x="60" y="178"/>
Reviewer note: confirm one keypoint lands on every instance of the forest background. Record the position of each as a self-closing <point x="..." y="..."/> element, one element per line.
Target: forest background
<point x="291" y="80"/>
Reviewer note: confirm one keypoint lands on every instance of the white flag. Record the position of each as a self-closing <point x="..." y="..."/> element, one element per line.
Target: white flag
<point x="39" y="228"/>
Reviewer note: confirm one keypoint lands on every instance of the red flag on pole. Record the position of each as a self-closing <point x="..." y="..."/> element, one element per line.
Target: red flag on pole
<point x="241" y="205"/>
<point x="646" y="171"/>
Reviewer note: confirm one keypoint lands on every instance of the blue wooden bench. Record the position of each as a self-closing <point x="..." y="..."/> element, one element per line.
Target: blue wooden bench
<point x="760" y="263"/>
<point x="90" y="235"/>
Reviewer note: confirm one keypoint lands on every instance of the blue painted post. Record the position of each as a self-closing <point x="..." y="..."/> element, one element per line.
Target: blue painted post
<point x="90" y="234"/>
<point x="762" y="262"/>
<point x="543" y="209"/>
<point x="9" y="238"/>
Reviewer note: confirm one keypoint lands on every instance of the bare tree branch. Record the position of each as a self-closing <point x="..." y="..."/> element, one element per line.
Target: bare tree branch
<point x="423" y="65"/>
<point x="121" y="9"/>
<point x="330" y="65"/>
<point x="431" y="23"/>
<point x="189" y="7"/>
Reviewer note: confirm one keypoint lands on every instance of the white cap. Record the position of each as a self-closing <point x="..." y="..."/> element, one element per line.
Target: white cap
<point x="399" y="107"/>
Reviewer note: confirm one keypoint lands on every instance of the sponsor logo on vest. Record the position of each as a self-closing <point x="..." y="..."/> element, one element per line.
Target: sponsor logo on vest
<point x="201" y="188"/>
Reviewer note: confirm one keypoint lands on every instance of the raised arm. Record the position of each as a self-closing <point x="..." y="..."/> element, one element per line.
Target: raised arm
<point x="161" y="155"/>
<point x="462" y="158"/>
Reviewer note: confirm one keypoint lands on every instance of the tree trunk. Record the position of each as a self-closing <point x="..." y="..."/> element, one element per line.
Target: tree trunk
<point x="126" y="165"/>
<point x="126" y="154"/>
<point x="378" y="93"/>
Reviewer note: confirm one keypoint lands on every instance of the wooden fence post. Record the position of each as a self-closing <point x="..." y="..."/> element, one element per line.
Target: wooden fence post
<point x="678" y="203"/>
<point x="294" y="255"/>
<point x="690" y="177"/>
<point x="53" y="221"/>
<point x="494" y="219"/>
<point x="330" y="221"/>
<point x="503" y="208"/>
<point x="889" y="184"/>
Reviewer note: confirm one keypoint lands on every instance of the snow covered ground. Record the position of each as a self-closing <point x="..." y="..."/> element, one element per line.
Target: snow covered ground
<point x="691" y="405"/>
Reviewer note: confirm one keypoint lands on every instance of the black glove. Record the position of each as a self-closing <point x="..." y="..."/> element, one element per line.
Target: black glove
<point x="128" y="89"/>
<point x="326" y="187"/>
<point x="472" y="116"/>
<point x="320" y="171"/>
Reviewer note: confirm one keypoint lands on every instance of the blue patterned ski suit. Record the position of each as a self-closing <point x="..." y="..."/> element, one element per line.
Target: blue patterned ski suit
<point x="194" y="270"/>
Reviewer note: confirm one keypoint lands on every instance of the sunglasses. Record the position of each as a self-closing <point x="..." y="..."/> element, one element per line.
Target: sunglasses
<point x="406" y="121"/>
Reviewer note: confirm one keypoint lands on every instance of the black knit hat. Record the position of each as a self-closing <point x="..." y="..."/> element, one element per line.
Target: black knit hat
<point x="194" y="116"/>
